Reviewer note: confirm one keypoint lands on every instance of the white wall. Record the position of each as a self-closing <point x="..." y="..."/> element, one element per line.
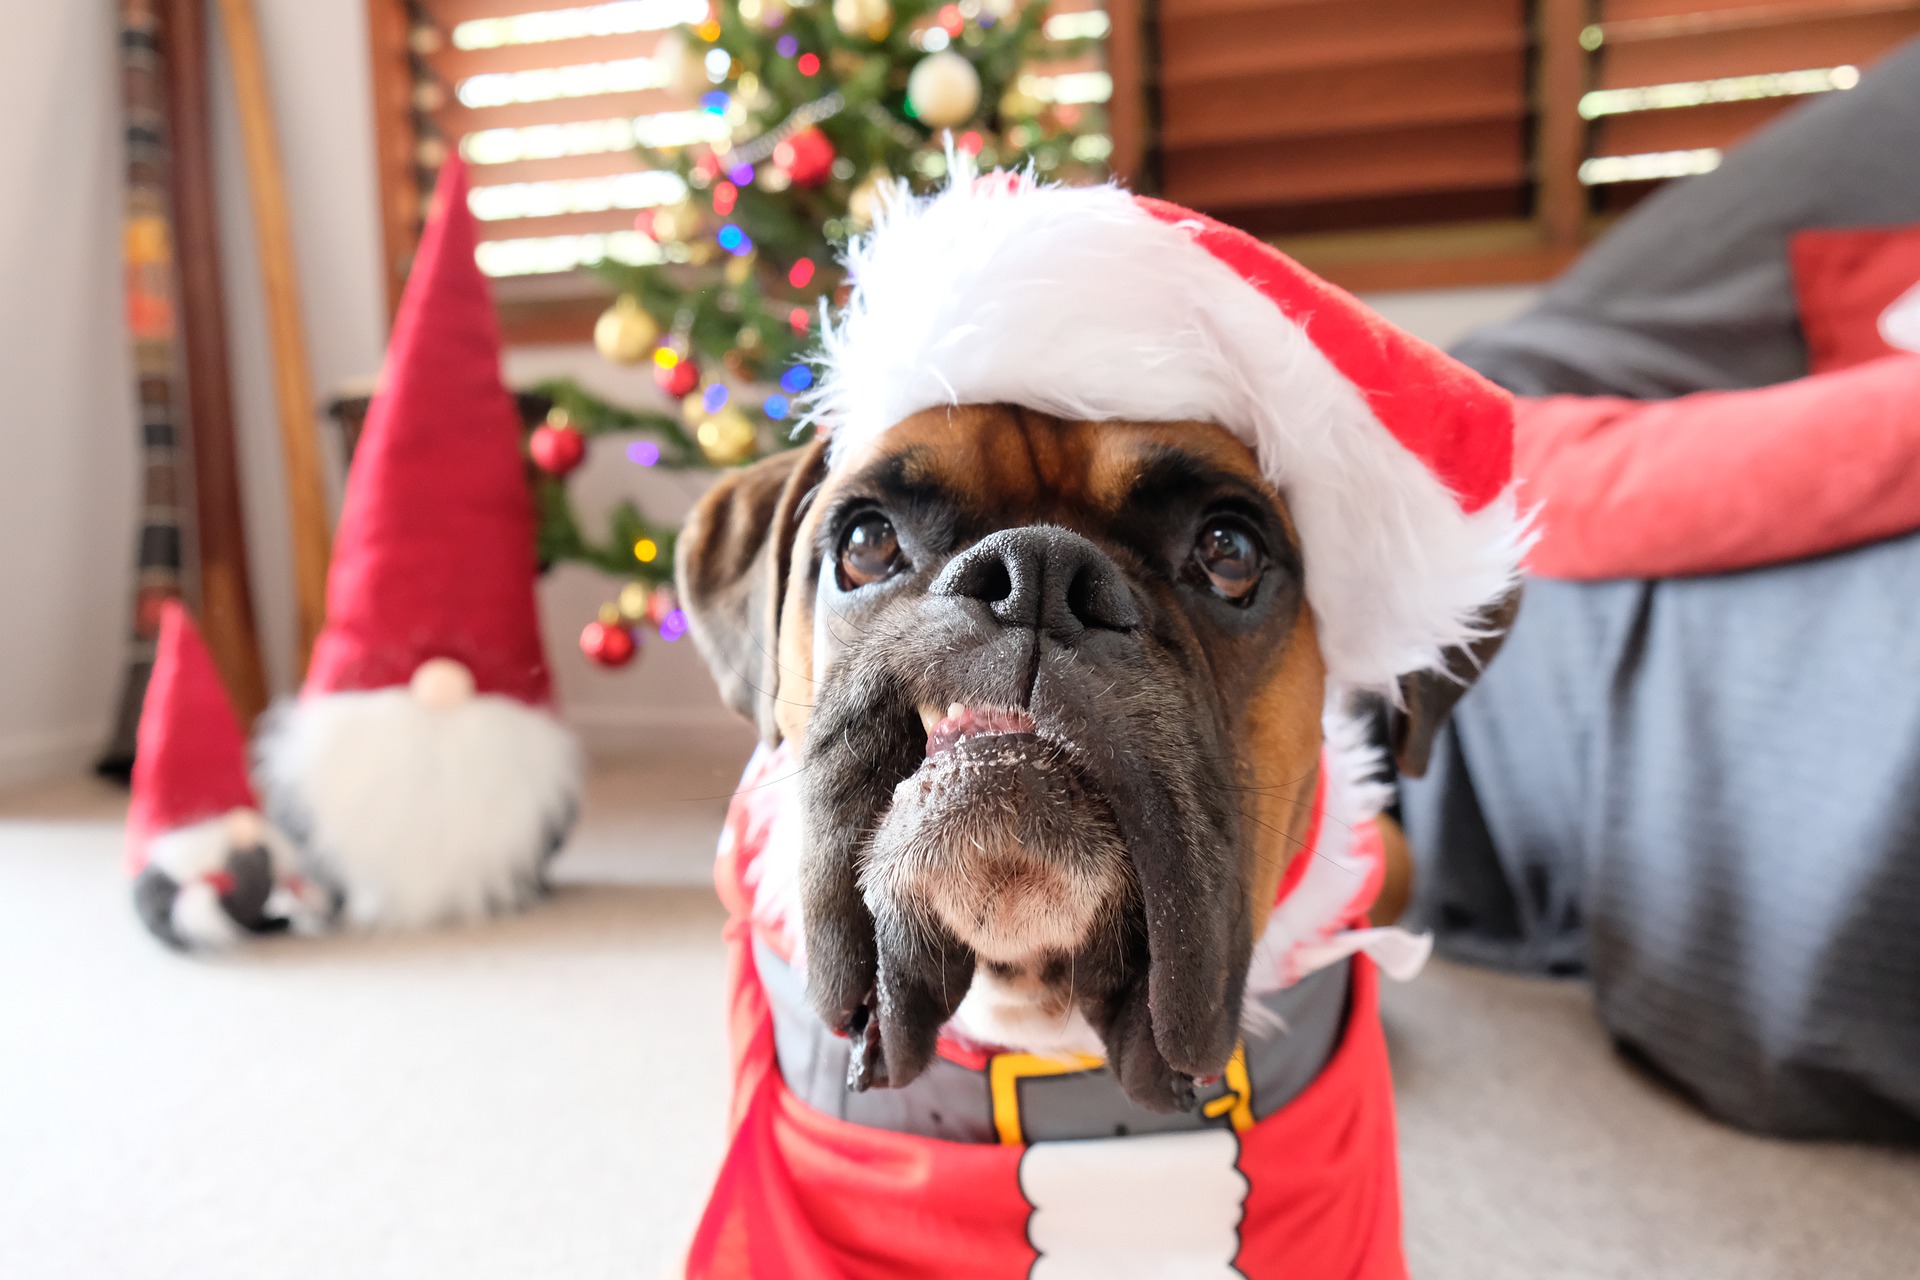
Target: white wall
<point x="68" y="452"/>
<point x="68" y="438"/>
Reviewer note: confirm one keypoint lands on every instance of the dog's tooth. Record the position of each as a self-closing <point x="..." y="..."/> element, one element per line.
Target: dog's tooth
<point x="929" y="716"/>
<point x="955" y="708"/>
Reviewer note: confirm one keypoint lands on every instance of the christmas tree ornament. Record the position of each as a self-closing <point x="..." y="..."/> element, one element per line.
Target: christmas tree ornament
<point x="608" y="645"/>
<point x="864" y="204"/>
<point x="807" y="156"/>
<point x="208" y="869"/>
<point x="677" y="375"/>
<point x="634" y="602"/>
<point x="727" y="438"/>
<point x="660" y="602"/>
<point x="944" y="90"/>
<point x="557" y="447"/>
<point x="681" y="66"/>
<point x="422" y="762"/>
<point x="869" y="18"/>
<point x="625" y="333"/>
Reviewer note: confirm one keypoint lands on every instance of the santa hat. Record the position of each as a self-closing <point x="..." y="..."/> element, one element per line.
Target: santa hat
<point x="1092" y="303"/>
<point x="422" y="762"/>
<point x="207" y="869"/>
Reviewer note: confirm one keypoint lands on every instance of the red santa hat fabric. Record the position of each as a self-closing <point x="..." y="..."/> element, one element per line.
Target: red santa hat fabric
<point x="434" y="557"/>
<point x="190" y="761"/>
<point x="1090" y="303"/>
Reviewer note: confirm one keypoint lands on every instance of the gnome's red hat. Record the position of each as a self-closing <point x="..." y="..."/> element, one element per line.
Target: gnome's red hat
<point x="1091" y="303"/>
<point x="191" y="757"/>
<point x="435" y="552"/>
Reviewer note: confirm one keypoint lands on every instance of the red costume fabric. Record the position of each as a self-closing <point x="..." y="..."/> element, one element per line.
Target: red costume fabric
<point x="191" y="762"/>
<point x="435" y="552"/>
<point x="805" y="1196"/>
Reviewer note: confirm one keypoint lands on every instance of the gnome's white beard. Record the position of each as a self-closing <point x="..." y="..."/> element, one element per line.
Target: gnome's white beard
<point x="418" y="814"/>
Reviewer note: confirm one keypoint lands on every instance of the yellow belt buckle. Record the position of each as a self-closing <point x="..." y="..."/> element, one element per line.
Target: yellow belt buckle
<point x="1005" y="1071"/>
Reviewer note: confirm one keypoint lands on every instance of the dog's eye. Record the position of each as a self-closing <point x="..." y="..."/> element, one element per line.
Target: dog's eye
<point x="1229" y="555"/>
<point x="869" y="551"/>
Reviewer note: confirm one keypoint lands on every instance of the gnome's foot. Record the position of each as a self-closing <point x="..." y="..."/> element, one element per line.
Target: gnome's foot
<point x="220" y="908"/>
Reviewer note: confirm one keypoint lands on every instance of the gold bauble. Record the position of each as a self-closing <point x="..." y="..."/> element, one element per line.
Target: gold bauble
<point x="694" y="407"/>
<point x="633" y="601"/>
<point x="863" y="17"/>
<point x="727" y="438"/>
<point x="944" y="90"/>
<point x="625" y="334"/>
<point x="867" y="199"/>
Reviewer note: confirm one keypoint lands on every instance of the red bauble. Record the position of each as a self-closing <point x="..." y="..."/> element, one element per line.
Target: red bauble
<point x="807" y="157"/>
<point x="680" y="380"/>
<point x="557" y="450"/>
<point x="610" y="646"/>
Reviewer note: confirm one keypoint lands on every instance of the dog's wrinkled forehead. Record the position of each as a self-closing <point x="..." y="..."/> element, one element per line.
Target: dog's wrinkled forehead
<point x="986" y="467"/>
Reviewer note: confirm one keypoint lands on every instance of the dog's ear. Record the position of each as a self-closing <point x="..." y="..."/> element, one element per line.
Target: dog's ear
<point x="1427" y="697"/>
<point x="730" y="565"/>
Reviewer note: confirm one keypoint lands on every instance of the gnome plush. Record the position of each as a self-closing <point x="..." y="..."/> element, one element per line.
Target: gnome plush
<point x="208" y="870"/>
<point x="422" y="768"/>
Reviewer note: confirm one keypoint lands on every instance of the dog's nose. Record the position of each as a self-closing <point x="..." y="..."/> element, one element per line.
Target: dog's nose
<point x="1042" y="577"/>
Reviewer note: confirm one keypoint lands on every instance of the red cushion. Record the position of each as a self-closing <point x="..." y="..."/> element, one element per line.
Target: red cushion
<point x="1843" y="279"/>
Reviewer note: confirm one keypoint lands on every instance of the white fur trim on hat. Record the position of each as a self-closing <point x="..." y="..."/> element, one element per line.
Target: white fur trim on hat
<point x="1080" y="303"/>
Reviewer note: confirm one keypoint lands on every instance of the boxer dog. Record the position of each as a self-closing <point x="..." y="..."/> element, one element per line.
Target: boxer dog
<point x="1055" y="690"/>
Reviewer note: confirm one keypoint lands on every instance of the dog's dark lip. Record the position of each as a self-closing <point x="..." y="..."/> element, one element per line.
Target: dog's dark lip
<point x="962" y="723"/>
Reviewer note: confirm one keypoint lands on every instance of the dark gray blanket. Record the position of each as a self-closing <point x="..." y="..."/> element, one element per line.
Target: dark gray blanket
<point x="1705" y="793"/>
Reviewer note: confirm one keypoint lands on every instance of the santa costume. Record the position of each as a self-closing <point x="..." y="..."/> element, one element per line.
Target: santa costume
<point x="207" y="869"/>
<point x="1396" y="466"/>
<point x="422" y="768"/>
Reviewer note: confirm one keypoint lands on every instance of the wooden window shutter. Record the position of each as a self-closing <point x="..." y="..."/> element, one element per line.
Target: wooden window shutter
<point x="1672" y="84"/>
<point x="1406" y="144"/>
<point x="543" y="98"/>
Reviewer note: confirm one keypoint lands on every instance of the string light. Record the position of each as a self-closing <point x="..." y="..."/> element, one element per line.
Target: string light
<point x="786" y="46"/>
<point x="714" y="398"/>
<point x="673" y="626"/>
<point x="777" y="407"/>
<point x="809" y="64"/>
<point x="796" y="379"/>
<point x="666" y="357"/>
<point x="801" y="273"/>
<point x="644" y="453"/>
<point x="724" y="196"/>
<point x="799" y="319"/>
<point x="742" y="174"/>
<point x="646" y="551"/>
<point x="734" y="241"/>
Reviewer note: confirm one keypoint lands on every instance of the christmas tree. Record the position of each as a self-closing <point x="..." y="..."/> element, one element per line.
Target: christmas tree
<point x="813" y="116"/>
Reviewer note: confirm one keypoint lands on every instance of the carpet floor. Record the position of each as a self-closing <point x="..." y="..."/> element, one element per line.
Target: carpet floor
<point x="544" y="1095"/>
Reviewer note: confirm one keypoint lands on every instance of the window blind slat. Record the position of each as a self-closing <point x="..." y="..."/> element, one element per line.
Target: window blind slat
<point x="603" y="164"/>
<point x="1485" y="88"/>
<point x="457" y="121"/>
<point x="1337" y="35"/>
<point x="1444" y="158"/>
<point x="1792" y="43"/>
<point x="597" y="222"/>
<point x="1717" y="124"/>
<point x="454" y="65"/>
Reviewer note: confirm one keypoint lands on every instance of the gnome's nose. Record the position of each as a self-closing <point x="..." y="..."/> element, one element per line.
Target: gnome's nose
<point x="441" y="683"/>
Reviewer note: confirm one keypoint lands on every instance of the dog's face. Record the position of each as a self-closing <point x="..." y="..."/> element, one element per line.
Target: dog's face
<point x="1057" y="697"/>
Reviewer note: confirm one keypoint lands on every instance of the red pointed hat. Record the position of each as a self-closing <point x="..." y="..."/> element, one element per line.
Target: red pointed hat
<point x="190" y="762"/>
<point x="1093" y="304"/>
<point x="435" y="553"/>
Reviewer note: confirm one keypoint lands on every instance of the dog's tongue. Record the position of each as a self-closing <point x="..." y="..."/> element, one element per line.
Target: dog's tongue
<point x="974" y="722"/>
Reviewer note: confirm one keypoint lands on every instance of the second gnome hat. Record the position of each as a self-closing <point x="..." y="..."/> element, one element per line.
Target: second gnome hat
<point x="435" y="552"/>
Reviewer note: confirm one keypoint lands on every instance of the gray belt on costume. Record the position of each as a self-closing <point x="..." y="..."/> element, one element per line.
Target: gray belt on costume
<point x="1022" y="1099"/>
